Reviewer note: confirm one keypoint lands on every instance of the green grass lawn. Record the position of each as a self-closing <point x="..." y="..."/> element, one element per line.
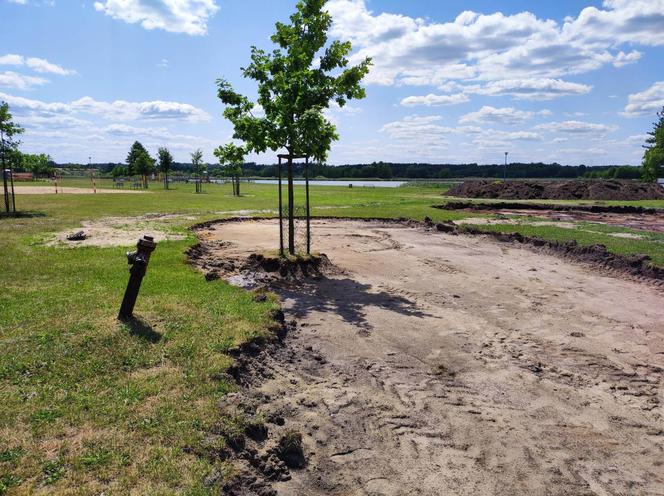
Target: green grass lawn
<point x="91" y="406"/>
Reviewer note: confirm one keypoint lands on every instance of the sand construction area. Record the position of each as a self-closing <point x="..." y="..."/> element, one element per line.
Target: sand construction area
<point x="426" y="363"/>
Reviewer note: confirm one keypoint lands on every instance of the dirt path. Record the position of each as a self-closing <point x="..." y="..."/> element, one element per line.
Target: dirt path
<point x="438" y="364"/>
<point x="50" y="190"/>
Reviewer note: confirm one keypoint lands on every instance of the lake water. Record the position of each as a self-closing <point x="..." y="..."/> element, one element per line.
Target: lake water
<point x="354" y="182"/>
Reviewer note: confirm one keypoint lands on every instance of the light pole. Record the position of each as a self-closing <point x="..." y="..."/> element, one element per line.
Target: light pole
<point x="505" y="168"/>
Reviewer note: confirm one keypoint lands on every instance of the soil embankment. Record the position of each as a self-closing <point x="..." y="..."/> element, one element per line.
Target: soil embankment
<point x="558" y="190"/>
<point x="435" y="364"/>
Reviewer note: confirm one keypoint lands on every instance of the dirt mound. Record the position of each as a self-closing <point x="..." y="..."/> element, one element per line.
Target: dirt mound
<point x="559" y="190"/>
<point x="257" y="269"/>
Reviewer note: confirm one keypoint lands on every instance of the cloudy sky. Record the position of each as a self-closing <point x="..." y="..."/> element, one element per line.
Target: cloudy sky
<point x="569" y="81"/>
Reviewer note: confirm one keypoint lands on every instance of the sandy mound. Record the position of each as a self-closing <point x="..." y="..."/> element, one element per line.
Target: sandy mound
<point x="558" y="190"/>
<point x="50" y="190"/>
<point x="121" y="231"/>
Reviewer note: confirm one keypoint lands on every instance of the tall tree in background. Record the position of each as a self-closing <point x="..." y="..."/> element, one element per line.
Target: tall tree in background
<point x="231" y="158"/>
<point x="8" y="151"/>
<point x="137" y="149"/>
<point x="297" y="81"/>
<point x="653" y="158"/>
<point x="165" y="164"/>
<point x="144" y="166"/>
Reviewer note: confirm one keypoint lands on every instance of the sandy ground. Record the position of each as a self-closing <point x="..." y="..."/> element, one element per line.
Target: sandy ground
<point x="122" y="231"/>
<point x="50" y="190"/>
<point x="437" y="364"/>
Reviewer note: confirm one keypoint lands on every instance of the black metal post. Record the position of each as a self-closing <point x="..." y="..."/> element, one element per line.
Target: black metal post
<point x="11" y="179"/>
<point x="138" y="260"/>
<point x="281" y="216"/>
<point x="306" y="179"/>
<point x="5" y="187"/>
<point x="291" y="208"/>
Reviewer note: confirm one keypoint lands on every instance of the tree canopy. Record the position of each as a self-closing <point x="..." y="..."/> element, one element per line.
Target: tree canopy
<point x="197" y="162"/>
<point x="653" y="158"/>
<point x="9" y="131"/>
<point x="297" y="81"/>
<point x="136" y="150"/>
<point x="231" y="158"/>
<point x="165" y="163"/>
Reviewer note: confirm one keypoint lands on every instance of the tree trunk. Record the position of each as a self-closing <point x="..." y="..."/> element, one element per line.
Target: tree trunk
<point x="291" y="216"/>
<point x="166" y="180"/>
<point x="237" y="179"/>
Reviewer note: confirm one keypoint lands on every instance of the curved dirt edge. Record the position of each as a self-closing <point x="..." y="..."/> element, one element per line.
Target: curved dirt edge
<point x="636" y="266"/>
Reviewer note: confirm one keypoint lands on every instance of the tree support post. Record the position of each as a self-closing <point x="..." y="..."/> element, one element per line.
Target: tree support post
<point x="281" y="216"/>
<point x="291" y="211"/>
<point x="138" y="260"/>
<point x="306" y="180"/>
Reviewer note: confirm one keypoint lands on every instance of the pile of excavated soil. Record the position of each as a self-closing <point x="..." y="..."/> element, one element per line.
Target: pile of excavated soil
<point x="558" y="190"/>
<point x="256" y="269"/>
<point x="436" y="364"/>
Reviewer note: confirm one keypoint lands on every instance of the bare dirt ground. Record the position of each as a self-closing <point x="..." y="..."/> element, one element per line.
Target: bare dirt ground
<point x="50" y="190"/>
<point x="433" y="364"/>
<point x="121" y="231"/>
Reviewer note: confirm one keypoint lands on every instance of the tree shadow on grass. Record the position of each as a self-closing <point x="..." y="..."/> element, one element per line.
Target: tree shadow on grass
<point x="21" y="215"/>
<point x="138" y="327"/>
<point x="345" y="297"/>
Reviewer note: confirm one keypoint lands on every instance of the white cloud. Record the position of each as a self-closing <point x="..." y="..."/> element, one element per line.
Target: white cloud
<point x="533" y="88"/>
<point x="20" y="2"/>
<point x="19" y="81"/>
<point x="176" y="16"/>
<point x="415" y="51"/>
<point x="426" y="131"/>
<point x="118" y="110"/>
<point x="36" y="64"/>
<point x="576" y="127"/>
<point x="506" y="115"/>
<point x="432" y="100"/>
<point x="647" y="102"/>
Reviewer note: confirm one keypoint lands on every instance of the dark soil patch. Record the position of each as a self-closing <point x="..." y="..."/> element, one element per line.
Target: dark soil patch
<point x="559" y="190"/>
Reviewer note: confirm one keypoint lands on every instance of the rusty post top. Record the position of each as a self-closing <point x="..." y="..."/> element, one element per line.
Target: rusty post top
<point x="146" y="243"/>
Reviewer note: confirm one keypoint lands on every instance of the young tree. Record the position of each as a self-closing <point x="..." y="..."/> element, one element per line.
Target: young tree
<point x="231" y="158"/>
<point x="144" y="166"/>
<point x="136" y="150"/>
<point x="653" y="157"/>
<point x="165" y="164"/>
<point x="197" y="163"/>
<point x="297" y="81"/>
<point x="198" y="167"/>
<point x="8" y="150"/>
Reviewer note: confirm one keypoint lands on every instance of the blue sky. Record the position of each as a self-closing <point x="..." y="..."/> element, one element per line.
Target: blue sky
<point x="567" y="81"/>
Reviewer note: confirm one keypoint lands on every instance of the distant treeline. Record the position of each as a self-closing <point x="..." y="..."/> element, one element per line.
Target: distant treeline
<point x="388" y="170"/>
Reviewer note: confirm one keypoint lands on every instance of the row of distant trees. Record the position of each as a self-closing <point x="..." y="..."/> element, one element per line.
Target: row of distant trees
<point x="140" y="163"/>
